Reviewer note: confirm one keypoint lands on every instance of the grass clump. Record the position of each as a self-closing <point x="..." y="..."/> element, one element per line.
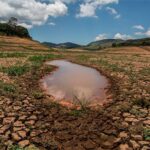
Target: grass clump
<point x="38" y="95"/>
<point x="16" y="70"/>
<point x="7" y="88"/>
<point x="146" y="133"/>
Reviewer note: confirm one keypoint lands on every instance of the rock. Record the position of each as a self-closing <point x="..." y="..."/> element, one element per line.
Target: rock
<point x="123" y="135"/>
<point x="125" y="124"/>
<point x="124" y="147"/>
<point x="16" y="137"/>
<point x="137" y="137"/>
<point x="24" y="143"/>
<point x="126" y="114"/>
<point x="30" y="122"/>
<point x="8" y="120"/>
<point x="134" y="144"/>
<point x="18" y="124"/>
<point x="16" y="108"/>
<point x="4" y="128"/>
<point x="147" y="122"/>
<point x="33" y="117"/>
<point x="22" y="133"/>
<point x="22" y="118"/>
<point x="89" y="145"/>
<point x="131" y="120"/>
<point x="144" y="143"/>
<point x="145" y="148"/>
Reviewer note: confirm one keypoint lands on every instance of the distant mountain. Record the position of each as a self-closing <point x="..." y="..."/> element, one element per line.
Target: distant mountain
<point x="98" y="45"/>
<point x="49" y="44"/>
<point x="66" y="45"/>
<point x="102" y="44"/>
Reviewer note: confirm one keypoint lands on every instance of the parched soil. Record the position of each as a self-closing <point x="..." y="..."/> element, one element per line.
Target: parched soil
<point x="31" y="120"/>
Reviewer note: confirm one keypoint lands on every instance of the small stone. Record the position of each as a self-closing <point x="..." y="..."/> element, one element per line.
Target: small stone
<point x="126" y="114"/>
<point x="144" y="143"/>
<point x="134" y="144"/>
<point x="23" y="134"/>
<point x="124" y="147"/>
<point x="89" y="145"/>
<point x="8" y="120"/>
<point x="22" y="117"/>
<point x="131" y="120"/>
<point x="30" y="122"/>
<point x="145" y="148"/>
<point x="24" y="143"/>
<point x="146" y="122"/>
<point x="137" y="137"/>
<point x="17" y="108"/>
<point x="16" y="137"/>
<point x="18" y="124"/>
<point x="33" y="117"/>
<point x="123" y="135"/>
<point x="125" y="124"/>
<point x="4" y="128"/>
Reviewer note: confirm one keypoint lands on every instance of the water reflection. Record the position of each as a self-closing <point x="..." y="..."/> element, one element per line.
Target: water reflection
<point x="75" y="82"/>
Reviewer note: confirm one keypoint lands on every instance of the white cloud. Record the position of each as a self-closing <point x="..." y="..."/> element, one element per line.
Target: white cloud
<point x="52" y="24"/>
<point x="139" y="27"/>
<point x="31" y="12"/>
<point x="88" y="7"/>
<point x="101" y="37"/>
<point x="114" y="12"/>
<point x="122" y="36"/>
<point x="147" y="33"/>
<point x="28" y="26"/>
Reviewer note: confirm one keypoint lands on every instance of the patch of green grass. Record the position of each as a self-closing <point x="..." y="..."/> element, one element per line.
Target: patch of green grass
<point x="146" y="133"/>
<point x="38" y="95"/>
<point x="9" y="55"/>
<point x="42" y="58"/>
<point x="7" y="88"/>
<point x="76" y="112"/>
<point x="16" y="147"/>
<point x="15" y="70"/>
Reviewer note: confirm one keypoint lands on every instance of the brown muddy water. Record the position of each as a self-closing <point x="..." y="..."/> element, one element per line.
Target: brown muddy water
<point x="73" y="83"/>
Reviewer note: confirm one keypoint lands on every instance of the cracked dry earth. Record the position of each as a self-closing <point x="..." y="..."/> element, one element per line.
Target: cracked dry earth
<point x="29" y="123"/>
<point x="25" y="124"/>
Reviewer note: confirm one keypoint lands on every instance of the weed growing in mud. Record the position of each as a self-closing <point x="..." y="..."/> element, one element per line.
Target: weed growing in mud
<point x="77" y="113"/>
<point x="146" y="134"/>
<point x="15" y="70"/>
<point x="38" y="95"/>
<point x="6" y="88"/>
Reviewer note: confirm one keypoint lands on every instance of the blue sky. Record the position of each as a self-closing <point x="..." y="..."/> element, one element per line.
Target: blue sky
<point x="80" y="21"/>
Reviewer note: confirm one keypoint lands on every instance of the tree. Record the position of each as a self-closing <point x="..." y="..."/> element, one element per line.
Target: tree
<point x="13" y="22"/>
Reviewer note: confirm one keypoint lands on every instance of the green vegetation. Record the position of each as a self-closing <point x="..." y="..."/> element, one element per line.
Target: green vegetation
<point x="9" y="55"/>
<point x="6" y="88"/>
<point x="15" y="70"/>
<point x="8" y="30"/>
<point x="147" y="134"/>
<point x="42" y="58"/>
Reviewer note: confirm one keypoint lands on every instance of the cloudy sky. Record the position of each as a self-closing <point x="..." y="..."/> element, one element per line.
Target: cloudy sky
<point x="80" y="21"/>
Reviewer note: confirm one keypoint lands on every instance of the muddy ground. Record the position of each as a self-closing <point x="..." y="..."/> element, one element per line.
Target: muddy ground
<point x="31" y="120"/>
